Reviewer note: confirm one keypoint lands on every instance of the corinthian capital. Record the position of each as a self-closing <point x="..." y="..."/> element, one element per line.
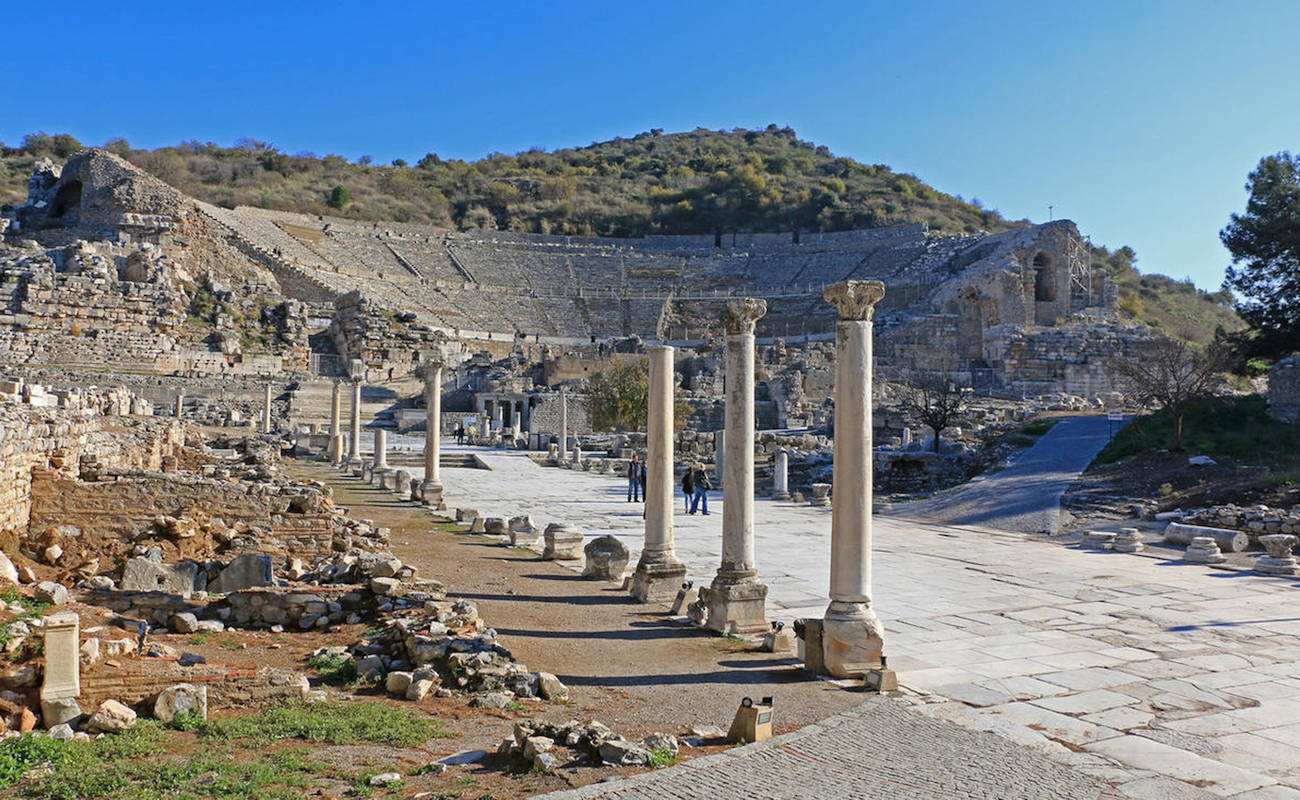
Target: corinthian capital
<point x="855" y="300"/>
<point x="742" y="313"/>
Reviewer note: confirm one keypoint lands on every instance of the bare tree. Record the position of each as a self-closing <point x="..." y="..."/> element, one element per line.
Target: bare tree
<point x="1170" y="375"/>
<point x="936" y="400"/>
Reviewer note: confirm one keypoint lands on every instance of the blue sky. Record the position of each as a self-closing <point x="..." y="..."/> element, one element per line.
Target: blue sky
<point x="1138" y="120"/>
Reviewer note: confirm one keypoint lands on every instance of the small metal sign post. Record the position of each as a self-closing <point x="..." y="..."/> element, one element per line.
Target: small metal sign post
<point x="1113" y="416"/>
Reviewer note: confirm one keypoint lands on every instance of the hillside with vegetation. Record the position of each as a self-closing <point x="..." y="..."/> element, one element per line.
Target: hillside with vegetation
<point x="699" y="182"/>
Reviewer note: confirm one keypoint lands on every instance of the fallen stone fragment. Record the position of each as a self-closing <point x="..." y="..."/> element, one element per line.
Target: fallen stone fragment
<point x="56" y="594"/>
<point x="110" y="717"/>
<point x="179" y="699"/>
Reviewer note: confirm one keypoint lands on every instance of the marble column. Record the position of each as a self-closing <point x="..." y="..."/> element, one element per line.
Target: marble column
<point x="852" y="636"/>
<point x="354" y="445"/>
<point x="659" y="573"/>
<point x="266" y="410"/>
<point x="564" y="425"/>
<point x="180" y="404"/>
<point x="381" y="449"/>
<point x="431" y="487"/>
<point x="335" y="404"/>
<point x="736" y="599"/>
<point x="781" y="475"/>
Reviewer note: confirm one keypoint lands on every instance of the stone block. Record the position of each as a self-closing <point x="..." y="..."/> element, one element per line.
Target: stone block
<point x="56" y="594"/>
<point x="143" y="575"/>
<point x="60" y="711"/>
<point x="245" y="572"/>
<point x="562" y="543"/>
<point x="110" y="717"/>
<point x="1203" y="550"/>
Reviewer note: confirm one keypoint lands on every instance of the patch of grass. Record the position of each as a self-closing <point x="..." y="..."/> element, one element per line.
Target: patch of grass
<point x="334" y="668"/>
<point x="662" y="757"/>
<point x="200" y="638"/>
<point x="333" y="723"/>
<point x="190" y="720"/>
<point x="230" y="644"/>
<point x="1232" y="429"/>
<point x="515" y="705"/>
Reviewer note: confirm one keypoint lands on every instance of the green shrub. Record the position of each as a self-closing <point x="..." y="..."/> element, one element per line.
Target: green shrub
<point x="334" y="723"/>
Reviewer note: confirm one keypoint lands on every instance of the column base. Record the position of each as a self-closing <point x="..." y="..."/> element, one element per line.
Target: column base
<point x="736" y="604"/>
<point x="431" y="493"/>
<point x="852" y="640"/>
<point x="783" y="497"/>
<point x="657" y="579"/>
<point x="379" y="475"/>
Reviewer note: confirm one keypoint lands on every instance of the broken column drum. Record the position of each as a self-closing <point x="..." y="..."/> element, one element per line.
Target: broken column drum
<point x="852" y="636"/>
<point x="354" y="445"/>
<point x="431" y="488"/>
<point x="659" y="572"/>
<point x="781" y="475"/>
<point x="737" y="598"/>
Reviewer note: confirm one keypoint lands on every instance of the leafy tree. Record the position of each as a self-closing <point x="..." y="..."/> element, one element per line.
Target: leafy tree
<point x="1265" y="247"/>
<point x="618" y="398"/>
<point x="339" y="197"/>
<point x="935" y="400"/>
<point x="1172" y="375"/>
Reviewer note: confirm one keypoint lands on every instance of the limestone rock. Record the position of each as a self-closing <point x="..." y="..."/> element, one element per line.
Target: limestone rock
<point x="562" y="542"/>
<point x="179" y="699"/>
<point x="607" y="559"/>
<point x="62" y="732"/>
<point x="184" y="622"/>
<point x="398" y="682"/>
<point x="53" y="553"/>
<point x="90" y="651"/>
<point x="550" y="688"/>
<point x="56" y="594"/>
<point x="622" y="753"/>
<point x="111" y="717"/>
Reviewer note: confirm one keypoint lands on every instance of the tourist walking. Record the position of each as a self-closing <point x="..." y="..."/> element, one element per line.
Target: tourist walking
<point x="700" y="500"/>
<point x="688" y="486"/>
<point x="634" y="480"/>
<point x="460" y="433"/>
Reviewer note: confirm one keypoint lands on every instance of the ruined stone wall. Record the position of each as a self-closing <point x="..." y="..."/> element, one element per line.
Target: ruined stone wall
<point x="391" y="346"/>
<point x="546" y="414"/>
<point x="53" y="441"/>
<point x="1284" y="390"/>
<point x="117" y="511"/>
<point x="133" y="680"/>
<point x="1069" y="359"/>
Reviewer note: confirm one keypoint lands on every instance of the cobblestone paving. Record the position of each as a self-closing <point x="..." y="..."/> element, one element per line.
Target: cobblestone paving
<point x="880" y="749"/>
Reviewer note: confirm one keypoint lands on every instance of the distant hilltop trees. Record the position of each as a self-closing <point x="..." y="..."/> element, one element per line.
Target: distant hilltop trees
<point x="700" y="182"/>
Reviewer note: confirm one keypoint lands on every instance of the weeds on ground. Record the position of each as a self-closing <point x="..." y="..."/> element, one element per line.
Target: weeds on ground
<point x="334" y="668"/>
<point x="662" y="757"/>
<point x="200" y="638"/>
<point x="332" y="723"/>
<point x="515" y="705"/>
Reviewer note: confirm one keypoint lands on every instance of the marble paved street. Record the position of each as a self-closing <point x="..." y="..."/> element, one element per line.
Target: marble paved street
<point x="1168" y="680"/>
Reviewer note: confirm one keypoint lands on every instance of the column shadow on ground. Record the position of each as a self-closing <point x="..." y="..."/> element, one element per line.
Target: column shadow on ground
<point x="726" y="676"/>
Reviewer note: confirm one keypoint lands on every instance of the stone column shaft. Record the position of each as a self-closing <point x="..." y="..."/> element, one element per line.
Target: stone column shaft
<point x="335" y="404"/>
<point x="658" y="572"/>
<point x="431" y="487"/>
<point x="266" y="410"/>
<point x="781" y="475"/>
<point x="736" y="598"/>
<point x="381" y="448"/>
<point x="564" y="425"/>
<point x="180" y="404"/>
<point x="852" y="636"/>
<point x="354" y="445"/>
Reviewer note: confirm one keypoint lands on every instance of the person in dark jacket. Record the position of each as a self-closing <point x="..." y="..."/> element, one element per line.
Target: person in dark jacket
<point x="700" y="500"/>
<point x="688" y="486"/>
<point x="642" y="478"/>
<point x="634" y="470"/>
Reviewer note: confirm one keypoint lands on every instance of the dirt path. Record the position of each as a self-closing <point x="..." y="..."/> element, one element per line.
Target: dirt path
<point x="627" y="665"/>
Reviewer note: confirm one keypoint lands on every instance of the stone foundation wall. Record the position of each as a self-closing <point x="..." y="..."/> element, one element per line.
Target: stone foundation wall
<point x="229" y="685"/>
<point x="1066" y="359"/>
<point x="1284" y="390"/>
<point x="546" y="414"/>
<point x="119" y="510"/>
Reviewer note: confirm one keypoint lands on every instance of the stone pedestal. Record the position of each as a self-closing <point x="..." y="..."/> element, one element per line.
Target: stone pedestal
<point x="561" y="543"/>
<point x="431" y="487"/>
<point x="736" y="599"/>
<point x="1098" y="540"/>
<point x="821" y="494"/>
<point x="606" y="559"/>
<point x="1203" y="550"/>
<point x="1128" y="540"/>
<point x="781" y="476"/>
<point x="523" y="531"/>
<point x="1279" y="560"/>
<point x="852" y="637"/>
<point x="659" y="572"/>
<point x="62" y="665"/>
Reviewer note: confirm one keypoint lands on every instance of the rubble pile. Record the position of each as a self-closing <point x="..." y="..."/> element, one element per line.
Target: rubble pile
<point x="591" y="742"/>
